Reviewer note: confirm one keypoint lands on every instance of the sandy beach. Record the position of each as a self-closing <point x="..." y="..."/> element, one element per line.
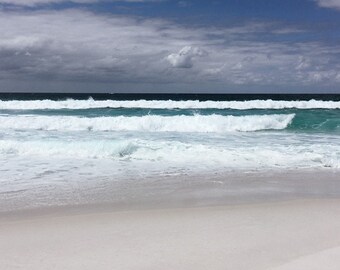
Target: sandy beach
<point x="299" y="233"/>
<point x="169" y="135"/>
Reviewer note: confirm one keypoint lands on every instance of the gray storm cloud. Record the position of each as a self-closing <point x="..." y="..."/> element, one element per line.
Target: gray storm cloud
<point x="79" y="46"/>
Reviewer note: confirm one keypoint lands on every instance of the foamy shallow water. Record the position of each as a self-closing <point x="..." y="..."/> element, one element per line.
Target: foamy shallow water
<point x="64" y="145"/>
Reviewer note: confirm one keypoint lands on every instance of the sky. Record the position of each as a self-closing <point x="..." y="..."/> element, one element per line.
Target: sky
<point x="164" y="46"/>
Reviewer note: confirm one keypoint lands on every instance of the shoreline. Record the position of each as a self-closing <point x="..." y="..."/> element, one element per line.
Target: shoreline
<point x="183" y="191"/>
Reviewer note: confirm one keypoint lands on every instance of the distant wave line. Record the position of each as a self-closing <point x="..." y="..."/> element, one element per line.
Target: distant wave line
<point x="166" y="104"/>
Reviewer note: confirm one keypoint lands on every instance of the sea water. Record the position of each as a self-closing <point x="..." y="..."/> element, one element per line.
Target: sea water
<point x="67" y="142"/>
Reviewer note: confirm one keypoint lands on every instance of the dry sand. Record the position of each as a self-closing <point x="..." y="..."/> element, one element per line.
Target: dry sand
<point x="296" y="234"/>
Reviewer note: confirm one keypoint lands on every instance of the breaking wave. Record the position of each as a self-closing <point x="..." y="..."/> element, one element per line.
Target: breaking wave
<point x="150" y="123"/>
<point x="167" y="104"/>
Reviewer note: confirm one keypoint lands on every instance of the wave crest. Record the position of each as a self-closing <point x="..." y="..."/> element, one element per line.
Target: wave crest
<point x="150" y="123"/>
<point x="167" y="104"/>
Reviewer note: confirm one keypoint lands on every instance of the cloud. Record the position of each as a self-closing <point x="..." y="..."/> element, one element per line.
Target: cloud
<point x="32" y="3"/>
<point x="329" y="3"/>
<point x="75" y="44"/>
<point x="303" y="63"/>
<point x="85" y="49"/>
<point x="184" y="58"/>
<point x="184" y="4"/>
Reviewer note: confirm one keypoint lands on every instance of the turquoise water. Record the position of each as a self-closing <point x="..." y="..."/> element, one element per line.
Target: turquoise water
<point x="228" y="133"/>
<point x="178" y="134"/>
<point x="308" y="120"/>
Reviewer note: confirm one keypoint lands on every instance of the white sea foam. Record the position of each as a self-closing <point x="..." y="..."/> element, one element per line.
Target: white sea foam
<point x="165" y="153"/>
<point x="77" y="149"/>
<point x="149" y="123"/>
<point x="167" y="104"/>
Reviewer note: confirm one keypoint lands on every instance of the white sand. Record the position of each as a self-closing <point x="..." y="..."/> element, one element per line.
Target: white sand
<point x="300" y="234"/>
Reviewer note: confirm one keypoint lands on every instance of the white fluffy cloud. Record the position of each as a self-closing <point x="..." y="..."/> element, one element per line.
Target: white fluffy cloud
<point x="329" y="3"/>
<point x="184" y="58"/>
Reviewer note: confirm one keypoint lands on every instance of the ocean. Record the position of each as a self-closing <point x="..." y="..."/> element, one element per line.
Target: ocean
<point x="70" y="144"/>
